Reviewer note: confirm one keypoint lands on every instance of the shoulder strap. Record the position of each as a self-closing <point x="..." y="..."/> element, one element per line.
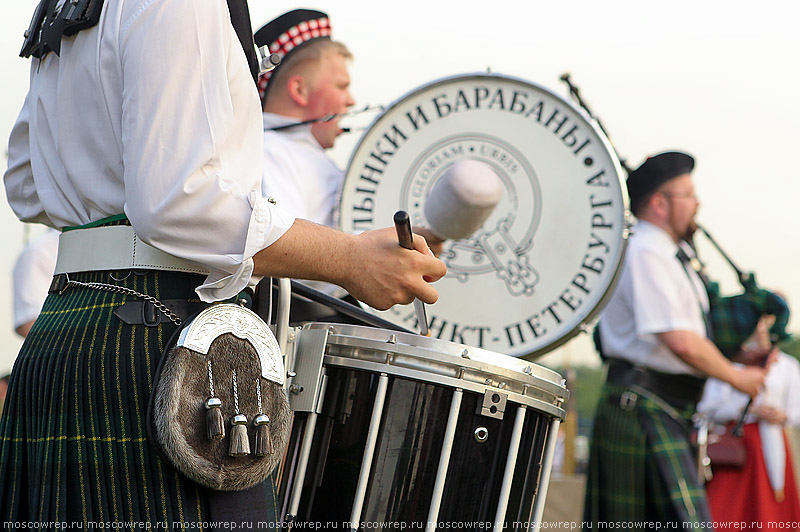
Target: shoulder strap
<point x="240" y="18"/>
<point x="685" y="260"/>
<point x="55" y="18"/>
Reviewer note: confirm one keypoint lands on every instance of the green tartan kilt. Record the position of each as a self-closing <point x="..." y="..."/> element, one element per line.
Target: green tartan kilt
<point x="74" y="445"/>
<point x="642" y="467"/>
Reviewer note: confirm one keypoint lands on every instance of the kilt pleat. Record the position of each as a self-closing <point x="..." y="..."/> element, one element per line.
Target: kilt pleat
<point x="641" y="466"/>
<point x="73" y="436"/>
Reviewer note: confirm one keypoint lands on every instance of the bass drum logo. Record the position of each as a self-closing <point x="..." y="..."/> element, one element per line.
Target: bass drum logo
<point x="502" y="245"/>
<point x="543" y="263"/>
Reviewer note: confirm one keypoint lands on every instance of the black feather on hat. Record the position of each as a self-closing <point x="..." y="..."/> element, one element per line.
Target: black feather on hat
<point x="288" y="31"/>
<point x="654" y="172"/>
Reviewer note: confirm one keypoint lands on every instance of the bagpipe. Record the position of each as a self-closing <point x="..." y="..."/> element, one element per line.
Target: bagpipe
<point x="732" y="318"/>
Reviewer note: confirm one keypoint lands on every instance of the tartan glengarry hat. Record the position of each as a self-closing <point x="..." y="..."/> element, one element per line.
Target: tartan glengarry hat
<point x="655" y="171"/>
<point x="287" y="32"/>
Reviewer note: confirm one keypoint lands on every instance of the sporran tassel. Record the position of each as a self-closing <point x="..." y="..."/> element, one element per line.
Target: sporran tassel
<point x="215" y="424"/>
<point x="262" y="441"/>
<point x="240" y="442"/>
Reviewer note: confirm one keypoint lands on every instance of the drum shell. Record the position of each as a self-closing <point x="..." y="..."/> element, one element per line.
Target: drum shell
<point x="412" y="428"/>
<point x="407" y="454"/>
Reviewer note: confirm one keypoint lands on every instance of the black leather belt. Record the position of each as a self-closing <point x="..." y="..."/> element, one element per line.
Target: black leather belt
<point x="141" y="312"/>
<point x="146" y="313"/>
<point x="681" y="391"/>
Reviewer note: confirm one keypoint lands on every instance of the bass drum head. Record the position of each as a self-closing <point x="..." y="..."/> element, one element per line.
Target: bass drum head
<point x="544" y="262"/>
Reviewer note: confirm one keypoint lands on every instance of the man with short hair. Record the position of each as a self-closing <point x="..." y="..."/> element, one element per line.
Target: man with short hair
<point x="303" y="99"/>
<point x="654" y="336"/>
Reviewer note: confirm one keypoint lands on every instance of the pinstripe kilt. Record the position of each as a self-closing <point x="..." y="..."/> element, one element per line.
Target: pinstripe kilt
<point x="642" y="467"/>
<point x="73" y="436"/>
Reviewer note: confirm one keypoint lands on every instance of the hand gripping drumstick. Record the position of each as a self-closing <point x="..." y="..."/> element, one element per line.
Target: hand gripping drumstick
<point x="403" y="226"/>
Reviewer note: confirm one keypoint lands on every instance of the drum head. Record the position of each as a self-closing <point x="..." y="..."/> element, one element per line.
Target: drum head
<point x="543" y="263"/>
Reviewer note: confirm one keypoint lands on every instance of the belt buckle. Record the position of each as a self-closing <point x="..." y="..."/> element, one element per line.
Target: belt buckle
<point x="59" y="284"/>
<point x="628" y="400"/>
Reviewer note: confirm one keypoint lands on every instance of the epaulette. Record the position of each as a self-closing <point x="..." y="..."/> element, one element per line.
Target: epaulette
<point x="55" y="18"/>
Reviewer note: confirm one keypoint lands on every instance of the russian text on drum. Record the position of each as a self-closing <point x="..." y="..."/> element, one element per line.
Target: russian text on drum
<point x="512" y="101"/>
<point x="541" y="265"/>
<point x="592" y="265"/>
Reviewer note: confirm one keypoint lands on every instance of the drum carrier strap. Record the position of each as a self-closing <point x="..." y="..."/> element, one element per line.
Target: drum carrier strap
<point x="55" y="18"/>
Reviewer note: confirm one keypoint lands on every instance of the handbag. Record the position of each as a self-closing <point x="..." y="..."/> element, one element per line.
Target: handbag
<point x="218" y="411"/>
<point x="727" y="450"/>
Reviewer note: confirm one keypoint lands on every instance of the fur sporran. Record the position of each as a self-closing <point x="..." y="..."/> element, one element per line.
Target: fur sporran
<point x="214" y="414"/>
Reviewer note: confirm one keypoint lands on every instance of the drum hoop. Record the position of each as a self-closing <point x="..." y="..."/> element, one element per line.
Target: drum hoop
<point x="584" y="325"/>
<point x="444" y="350"/>
<point x="502" y="374"/>
<point x="455" y="383"/>
<point x="439" y="362"/>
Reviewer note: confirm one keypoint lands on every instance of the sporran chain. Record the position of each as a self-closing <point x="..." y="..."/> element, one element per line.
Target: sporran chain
<point x="210" y="378"/>
<point x="258" y="394"/>
<point x="235" y="393"/>
<point x="171" y="316"/>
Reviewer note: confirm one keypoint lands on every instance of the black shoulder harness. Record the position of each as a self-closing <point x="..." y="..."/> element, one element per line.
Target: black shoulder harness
<point x="240" y="19"/>
<point x="55" y="18"/>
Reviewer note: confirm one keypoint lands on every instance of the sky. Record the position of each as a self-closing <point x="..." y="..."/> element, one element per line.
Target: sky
<point x="717" y="79"/>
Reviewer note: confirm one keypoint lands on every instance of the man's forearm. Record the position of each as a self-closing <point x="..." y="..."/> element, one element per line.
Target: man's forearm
<point x="372" y="266"/>
<point x="703" y="355"/>
<point x="306" y="251"/>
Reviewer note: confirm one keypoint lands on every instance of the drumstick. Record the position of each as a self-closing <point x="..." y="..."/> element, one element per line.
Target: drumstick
<point x="402" y="224"/>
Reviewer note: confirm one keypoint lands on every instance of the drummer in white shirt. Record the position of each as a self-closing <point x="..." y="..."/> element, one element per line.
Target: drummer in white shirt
<point x="311" y="83"/>
<point x="303" y="102"/>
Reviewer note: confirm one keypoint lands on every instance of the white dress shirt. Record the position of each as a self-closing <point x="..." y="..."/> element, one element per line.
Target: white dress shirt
<point x="152" y="113"/>
<point x="655" y="294"/>
<point x="33" y="273"/>
<point x="298" y="173"/>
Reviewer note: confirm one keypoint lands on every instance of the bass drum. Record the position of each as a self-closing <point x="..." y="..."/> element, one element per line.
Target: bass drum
<point x="543" y="264"/>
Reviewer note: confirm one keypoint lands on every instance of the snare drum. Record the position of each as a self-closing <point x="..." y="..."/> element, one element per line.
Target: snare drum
<point x="398" y="428"/>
